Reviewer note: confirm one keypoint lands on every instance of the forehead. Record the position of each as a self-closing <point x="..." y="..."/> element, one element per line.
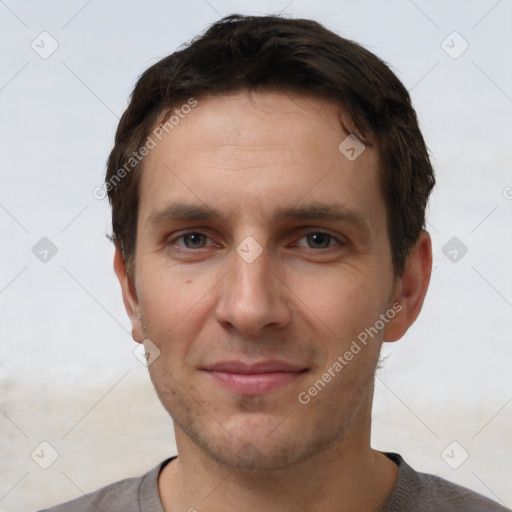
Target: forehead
<point x="249" y="153"/>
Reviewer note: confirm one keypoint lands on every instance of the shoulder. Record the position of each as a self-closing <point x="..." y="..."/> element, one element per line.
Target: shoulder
<point x="122" y="495"/>
<point x="422" y="492"/>
<point x="129" y="495"/>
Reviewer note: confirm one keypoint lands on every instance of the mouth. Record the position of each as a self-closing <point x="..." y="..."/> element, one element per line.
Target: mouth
<point x="256" y="378"/>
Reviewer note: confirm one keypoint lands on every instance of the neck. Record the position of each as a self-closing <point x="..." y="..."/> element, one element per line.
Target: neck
<point x="348" y="475"/>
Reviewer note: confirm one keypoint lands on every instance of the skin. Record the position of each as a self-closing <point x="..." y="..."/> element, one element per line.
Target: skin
<point x="304" y="300"/>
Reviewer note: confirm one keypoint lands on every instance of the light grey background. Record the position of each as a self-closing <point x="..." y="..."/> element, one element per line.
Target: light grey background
<point x="68" y="376"/>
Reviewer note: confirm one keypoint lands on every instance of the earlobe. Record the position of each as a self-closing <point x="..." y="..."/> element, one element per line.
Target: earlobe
<point x="411" y="288"/>
<point x="130" y="298"/>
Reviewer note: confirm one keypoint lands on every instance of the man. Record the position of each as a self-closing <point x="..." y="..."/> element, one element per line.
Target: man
<point x="268" y="187"/>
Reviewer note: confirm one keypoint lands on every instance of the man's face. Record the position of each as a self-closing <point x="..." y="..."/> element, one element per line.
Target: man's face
<point x="240" y="260"/>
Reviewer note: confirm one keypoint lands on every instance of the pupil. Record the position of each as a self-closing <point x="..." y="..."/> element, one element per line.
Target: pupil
<point x="195" y="239"/>
<point x="319" y="239"/>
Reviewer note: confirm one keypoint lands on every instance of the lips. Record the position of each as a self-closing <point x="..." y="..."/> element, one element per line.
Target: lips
<point x="260" y="367"/>
<point x="254" y="378"/>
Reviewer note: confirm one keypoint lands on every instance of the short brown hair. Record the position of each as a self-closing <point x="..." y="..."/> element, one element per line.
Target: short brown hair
<point x="281" y="54"/>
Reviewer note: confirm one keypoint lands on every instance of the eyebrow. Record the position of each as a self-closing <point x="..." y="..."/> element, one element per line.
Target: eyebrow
<point x="180" y="211"/>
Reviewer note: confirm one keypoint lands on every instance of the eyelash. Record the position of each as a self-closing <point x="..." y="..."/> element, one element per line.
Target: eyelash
<point x="323" y="233"/>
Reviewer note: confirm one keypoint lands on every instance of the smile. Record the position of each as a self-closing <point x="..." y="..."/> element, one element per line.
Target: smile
<point x="254" y="379"/>
<point x="256" y="383"/>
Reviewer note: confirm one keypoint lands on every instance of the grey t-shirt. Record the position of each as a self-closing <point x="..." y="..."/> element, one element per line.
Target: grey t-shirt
<point x="413" y="492"/>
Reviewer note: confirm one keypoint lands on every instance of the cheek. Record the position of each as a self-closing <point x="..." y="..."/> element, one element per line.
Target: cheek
<point x="171" y="306"/>
<point x="341" y="306"/>
<point x="345" y="300"/>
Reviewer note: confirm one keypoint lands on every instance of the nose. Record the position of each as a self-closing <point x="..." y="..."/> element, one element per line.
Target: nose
<point x="253" y="297"/>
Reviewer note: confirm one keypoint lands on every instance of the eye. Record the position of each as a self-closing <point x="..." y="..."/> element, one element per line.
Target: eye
<point x="318" y="240"/>
<point x="193" y="240"/>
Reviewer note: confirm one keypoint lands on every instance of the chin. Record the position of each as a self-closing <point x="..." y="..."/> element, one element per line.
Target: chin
<point x="259" y="442"/>
<point x="253" y="456"/>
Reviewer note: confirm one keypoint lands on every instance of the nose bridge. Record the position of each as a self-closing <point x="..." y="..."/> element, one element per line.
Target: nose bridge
<point x="250" y="283"/>
<point x="250" y="271"/>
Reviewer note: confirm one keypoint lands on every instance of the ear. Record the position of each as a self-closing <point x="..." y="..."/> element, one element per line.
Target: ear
<point x="410" y="289"/>
<point x="130" y="299"/>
